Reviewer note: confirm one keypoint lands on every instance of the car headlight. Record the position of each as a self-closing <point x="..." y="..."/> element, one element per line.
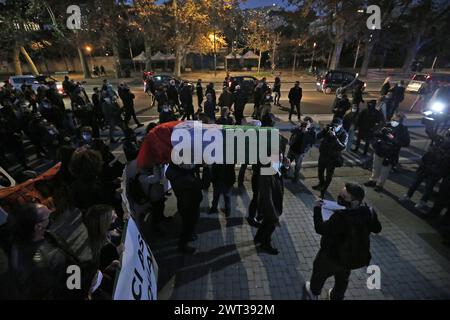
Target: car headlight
<point x="438" y="107"/>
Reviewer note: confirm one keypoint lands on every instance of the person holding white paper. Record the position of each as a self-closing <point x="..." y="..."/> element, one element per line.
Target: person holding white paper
<point x="345" y="243"/>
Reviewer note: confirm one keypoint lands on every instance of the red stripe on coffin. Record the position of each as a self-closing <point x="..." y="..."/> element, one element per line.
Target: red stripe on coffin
<point x="157" y="146"/>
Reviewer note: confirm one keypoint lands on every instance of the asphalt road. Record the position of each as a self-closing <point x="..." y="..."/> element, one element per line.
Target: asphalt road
<point x="313" y="102"/>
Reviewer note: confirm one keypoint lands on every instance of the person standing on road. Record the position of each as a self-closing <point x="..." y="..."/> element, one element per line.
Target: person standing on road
<point x="398" y="95"/>
<point x="342" y="106"/>
<point x="258" y="94"/>
<point x="388" y="142"/>
<point x="226" y="98"/>
<point x="295" y="98"/>
<point x="334" y="141"/>
<point x="111" y="110"/>
<point x="210" y="107"/>
<point x="199" y="91"/>
<point x="97" y="109"/>
<point x="210" y="90"/>
<point x="368" y="121"/>
<point x="172" y="94"/>
<point x="186" y="102"/>
<point x="301" y="141"/>
<point x="385" y="87"/>
<point x="277" y="91"/>
<point x="358" y="95"/>
<point x="127" y="98"/>
<point x="239" y="100"/>
<point x="345" y="243"/>
<point x="349" y="123"/>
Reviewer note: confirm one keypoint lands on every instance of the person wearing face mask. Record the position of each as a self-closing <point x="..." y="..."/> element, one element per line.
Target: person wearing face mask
<point x="368" y="121"/>
<point x="270" y="207"/>
<point x="345" y="243"/>
<point x="349" y="123"/>
<point x="86" y="137"/>
<point x="388" y="142"/>
<point x="334" y="141"/>
<point x="301" y="141"/>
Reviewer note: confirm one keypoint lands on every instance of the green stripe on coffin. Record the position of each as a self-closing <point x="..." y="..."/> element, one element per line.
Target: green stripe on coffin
<point x="198" y="143"/>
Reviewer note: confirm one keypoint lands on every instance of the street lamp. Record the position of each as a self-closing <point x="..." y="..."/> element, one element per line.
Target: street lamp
<point x="89" y="51"/>
<point x="312" y="59"/>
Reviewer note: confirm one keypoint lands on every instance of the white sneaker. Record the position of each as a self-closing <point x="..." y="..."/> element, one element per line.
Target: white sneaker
<point x="421" y="204"/>
<point x="309" y="294"/>
<point x="404" y="198"/>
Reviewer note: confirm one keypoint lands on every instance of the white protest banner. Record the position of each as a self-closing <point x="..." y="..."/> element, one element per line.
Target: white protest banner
<point x="137" y="279"/>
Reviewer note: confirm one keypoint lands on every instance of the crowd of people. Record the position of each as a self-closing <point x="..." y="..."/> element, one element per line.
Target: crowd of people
<point x="87" y="187"/>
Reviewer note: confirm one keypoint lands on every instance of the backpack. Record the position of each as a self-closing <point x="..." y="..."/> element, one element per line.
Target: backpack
<point x="354" y="252"/>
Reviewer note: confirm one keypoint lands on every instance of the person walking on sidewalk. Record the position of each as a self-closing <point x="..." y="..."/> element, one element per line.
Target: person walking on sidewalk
<point x="302" y="139"/>
<point x="388" y="142"/>
<point x="295" y="98"/>
<point x="334" y="141"/>
<point x="345" y="243"/>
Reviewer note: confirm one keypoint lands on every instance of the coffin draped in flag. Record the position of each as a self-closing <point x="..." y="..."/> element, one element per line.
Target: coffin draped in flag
<point x="157" y="147"/>
<point x="192" y="142"/>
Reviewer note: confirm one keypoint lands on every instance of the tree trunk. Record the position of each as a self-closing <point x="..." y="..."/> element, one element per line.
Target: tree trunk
<point x="259" y="61"/>
<point x="178" y="58"/>
<point x="117" y="64"/>
<point x="148" y="52"/>
<point x="336" y="54"/>
<point x="33" y="68"/>
<point x="16" y="60"/>
<point x="411" y="54"/>
<point x="368" y="48"/>
<point x="84" y="65"/>
<point x="330" y="54"/>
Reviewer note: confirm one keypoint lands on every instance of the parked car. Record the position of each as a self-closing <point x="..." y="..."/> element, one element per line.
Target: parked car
<point x="35" y="82"/>
<point x="417" y="82"/>
<point x="333" y="79"/>
<point x="418" y="79"/>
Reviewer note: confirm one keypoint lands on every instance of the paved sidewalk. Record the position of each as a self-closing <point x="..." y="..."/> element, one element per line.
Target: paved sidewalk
<point x="414" y="264"/>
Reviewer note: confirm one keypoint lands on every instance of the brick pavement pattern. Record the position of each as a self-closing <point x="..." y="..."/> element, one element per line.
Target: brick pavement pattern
<point x="413" y="262"/>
